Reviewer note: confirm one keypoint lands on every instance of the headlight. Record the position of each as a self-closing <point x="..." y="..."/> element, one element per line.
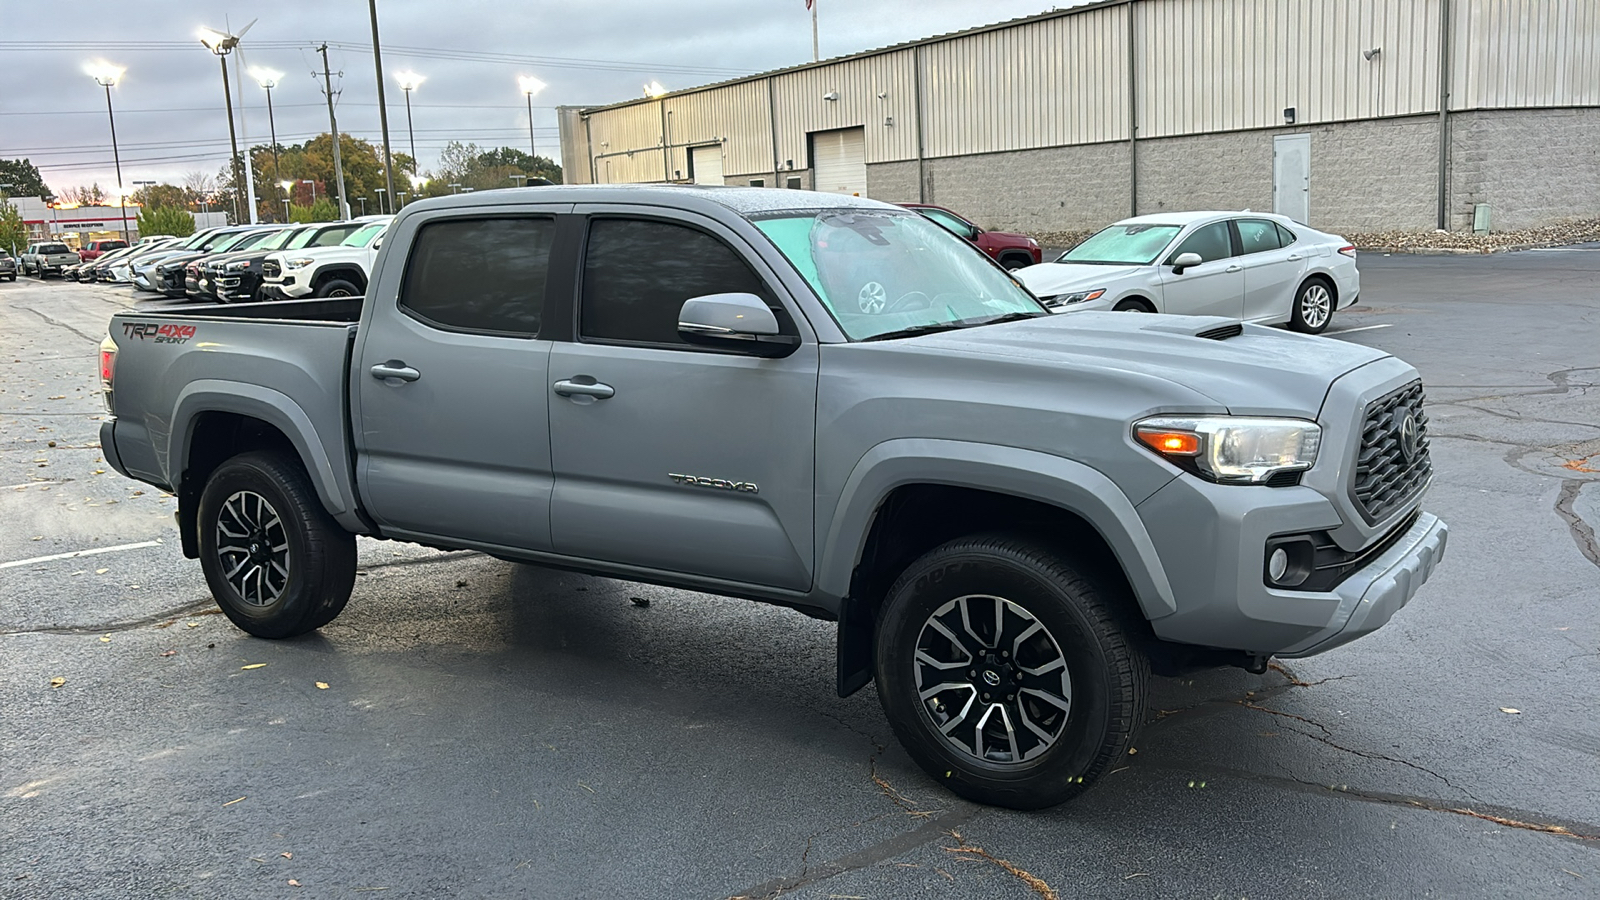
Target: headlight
<point x="238" y="265"/>
<point x="299" y="263"/>
<point x="1232" y="449"/>
<point x="1079" y="297"/>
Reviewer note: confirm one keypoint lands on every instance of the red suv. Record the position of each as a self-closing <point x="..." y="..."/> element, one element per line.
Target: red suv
<point x="1010" y="250"/>
<point x="95" y="248"/>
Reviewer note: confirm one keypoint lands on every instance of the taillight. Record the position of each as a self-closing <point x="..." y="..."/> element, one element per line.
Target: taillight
<point x="108" y="366"/>
<point x="1348" y="251"/>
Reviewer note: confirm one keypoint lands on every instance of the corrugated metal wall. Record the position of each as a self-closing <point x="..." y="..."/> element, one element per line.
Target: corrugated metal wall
<point x="1206" y="65"/>
<point x="859" y="83"/>
<point x="1201" y="66"/>
<point x="1040" y="84"/>
<point x="1520" y="53"/>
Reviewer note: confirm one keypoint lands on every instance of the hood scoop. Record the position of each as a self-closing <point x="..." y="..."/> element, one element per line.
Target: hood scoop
<point x="1207" y="327"/>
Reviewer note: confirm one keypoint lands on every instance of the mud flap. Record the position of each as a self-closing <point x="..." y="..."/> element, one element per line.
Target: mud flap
<point x="854" y="655"/>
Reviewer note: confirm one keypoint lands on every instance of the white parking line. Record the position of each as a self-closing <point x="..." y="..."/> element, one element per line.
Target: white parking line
<point x="7" y="487"/>
<point x="1362" y="328"/>
<point x="76" y="553"/>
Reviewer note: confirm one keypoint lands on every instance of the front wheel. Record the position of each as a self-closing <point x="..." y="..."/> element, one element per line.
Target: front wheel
<point x="276" y="562"/>
<point x="1006" y="674"/>
<point x="339" y="287"/>
<point x="1313" y="307"/>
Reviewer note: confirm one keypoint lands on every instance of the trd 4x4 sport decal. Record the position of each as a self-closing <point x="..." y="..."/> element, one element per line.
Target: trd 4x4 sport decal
<point x="163" y="334"/>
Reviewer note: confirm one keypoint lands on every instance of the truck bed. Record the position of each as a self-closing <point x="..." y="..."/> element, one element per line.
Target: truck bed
<point x="284" y="363"/>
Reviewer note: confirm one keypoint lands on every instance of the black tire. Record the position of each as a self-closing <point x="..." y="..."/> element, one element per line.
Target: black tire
<point x="318" y="559"/>
<point x="1313" y="309"/>
<point x="338" y="287"/>
<point x="1080" y="621"/>
<point x="1134" y="304"/>
<point x="1013" y="263"/>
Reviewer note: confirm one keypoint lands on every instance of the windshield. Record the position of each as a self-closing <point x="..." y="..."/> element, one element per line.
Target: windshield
<point x="195" y="241"/>
<point x="884" y="273"/>
<point x="365" y="235"/>
<point x="54" y="248"/>
<point x="280" y="238"/>
<point x="321" y="237"/>
<point x="1123" y="245"/>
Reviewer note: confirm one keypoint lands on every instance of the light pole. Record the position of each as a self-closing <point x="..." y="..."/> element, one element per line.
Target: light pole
<point x="455" y="187"/>
<point x="363" y="205"/>
<point x="313" y="184"/>
<point x="287" y="187"/>
<point x="268" y="79"/>
<point x="383" y="194"/>
<point x="410" y="81"/>
<point x="530" y="86"/>
<point x="222" y="45"/>
<point x="402" y="195"/>
<point x="383" y="110"/>
<point x="106" y="75"/>
<point x="519" y="180"/>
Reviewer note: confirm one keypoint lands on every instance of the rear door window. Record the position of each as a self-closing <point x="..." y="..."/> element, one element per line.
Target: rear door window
<point x="481" y="275"/>
<point x="1258" y="235"/>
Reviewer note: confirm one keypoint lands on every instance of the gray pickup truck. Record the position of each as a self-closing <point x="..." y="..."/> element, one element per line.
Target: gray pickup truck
<point x="816" y="401"/>
<point x="48" y="256"/>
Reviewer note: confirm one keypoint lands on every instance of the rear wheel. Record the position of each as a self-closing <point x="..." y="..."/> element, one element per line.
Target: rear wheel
<point x="1313" y="307"/>
<point x="1006" y="673"/>
<point x="276" y="562"/>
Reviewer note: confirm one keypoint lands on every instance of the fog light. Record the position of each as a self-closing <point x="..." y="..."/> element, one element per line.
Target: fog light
<point x="1278" y="564"/>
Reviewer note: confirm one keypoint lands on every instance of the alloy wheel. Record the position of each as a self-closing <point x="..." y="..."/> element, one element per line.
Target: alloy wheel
<point x="992" y="679"/>
<point x="1316" y="305"/>
<point x="253" y="548"/>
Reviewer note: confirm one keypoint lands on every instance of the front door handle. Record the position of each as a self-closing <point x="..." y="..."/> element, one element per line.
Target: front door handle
<point x="1234" y="269"/>
<point x="586" y="388"/>
<point x="1294" y="257"/>
<point x="394" y="368"/>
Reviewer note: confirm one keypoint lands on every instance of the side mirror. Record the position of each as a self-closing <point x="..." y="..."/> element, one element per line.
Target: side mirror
<point x="1184" y="261"/>
<point x="739" y="322"/>
<point x="378" y="242"/>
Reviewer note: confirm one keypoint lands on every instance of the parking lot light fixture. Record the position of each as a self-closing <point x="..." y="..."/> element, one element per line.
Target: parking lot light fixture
<point x="313" y="189"/>
<point x="221" y="45"/>
<point x="455" y="187"/>
<point x="383" y="195"/>
<point x="268" y="79"/>
<point x="410" y="81"/>
<point x="530" y="86"/>
<point x="106" y="75"/>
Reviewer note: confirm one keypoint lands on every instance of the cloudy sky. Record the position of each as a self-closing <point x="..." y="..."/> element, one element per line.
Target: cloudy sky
<point x="169" y="108"/>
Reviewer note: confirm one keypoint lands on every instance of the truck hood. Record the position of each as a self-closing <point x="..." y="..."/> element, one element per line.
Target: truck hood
<point x="1050" y="279"/>
<point x="1256" y="371"/>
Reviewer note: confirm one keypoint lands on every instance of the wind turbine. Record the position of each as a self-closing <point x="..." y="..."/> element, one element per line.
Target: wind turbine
<point x="223" y="43"/>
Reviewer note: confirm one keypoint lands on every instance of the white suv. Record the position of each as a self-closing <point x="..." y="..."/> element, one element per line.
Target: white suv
<point x="338" y="271"/>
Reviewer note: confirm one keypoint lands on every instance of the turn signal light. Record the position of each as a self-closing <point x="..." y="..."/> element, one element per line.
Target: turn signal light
<point x="1174" y="443"/>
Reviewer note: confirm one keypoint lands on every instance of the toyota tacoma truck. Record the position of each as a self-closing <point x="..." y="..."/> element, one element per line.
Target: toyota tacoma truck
<point x="826" y="403"/>
<point x="341" y="270"/>
<point x="48" y="256"/>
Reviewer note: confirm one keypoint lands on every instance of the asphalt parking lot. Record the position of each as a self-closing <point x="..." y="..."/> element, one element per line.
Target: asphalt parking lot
<point x="470" y="727"/>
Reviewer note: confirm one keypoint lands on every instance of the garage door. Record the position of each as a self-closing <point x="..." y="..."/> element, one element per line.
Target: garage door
<point x="706" y="164"/>
<point x="841" y="160"/>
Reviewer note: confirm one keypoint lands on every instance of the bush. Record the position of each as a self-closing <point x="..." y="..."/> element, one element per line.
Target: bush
<point x="165" y="220"/>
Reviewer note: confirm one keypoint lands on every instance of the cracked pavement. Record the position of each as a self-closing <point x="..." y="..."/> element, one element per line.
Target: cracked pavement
<point x="504" y="731"/>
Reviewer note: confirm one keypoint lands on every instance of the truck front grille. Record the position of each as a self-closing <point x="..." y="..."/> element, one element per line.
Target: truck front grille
<point x="270" y="269"/>
<point x="1393" y="464"/>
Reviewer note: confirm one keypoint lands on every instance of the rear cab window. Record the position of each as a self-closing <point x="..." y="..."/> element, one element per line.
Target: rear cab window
<point x="482" y="275"/>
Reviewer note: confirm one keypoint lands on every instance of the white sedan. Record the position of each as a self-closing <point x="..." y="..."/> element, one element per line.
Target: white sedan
<point x="1250" y="267"/>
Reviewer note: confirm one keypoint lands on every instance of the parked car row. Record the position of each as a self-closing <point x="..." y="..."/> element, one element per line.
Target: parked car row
<point x="229" y="264"/>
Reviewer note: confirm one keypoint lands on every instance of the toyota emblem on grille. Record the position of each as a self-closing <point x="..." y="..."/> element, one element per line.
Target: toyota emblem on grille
<point x="1410" y="438"/>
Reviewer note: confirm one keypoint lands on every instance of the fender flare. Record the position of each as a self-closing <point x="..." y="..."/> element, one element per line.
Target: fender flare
<point x="1060" y="482"/>
<point x="273" y="407"/>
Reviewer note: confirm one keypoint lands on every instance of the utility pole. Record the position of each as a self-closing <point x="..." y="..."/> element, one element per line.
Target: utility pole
<point x="333" y="128"/>
<point x="383" y="111"/>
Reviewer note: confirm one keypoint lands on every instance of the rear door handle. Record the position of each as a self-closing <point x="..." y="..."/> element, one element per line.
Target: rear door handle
<point x="1294" y="257"/>
<point x="1234" y="269"/>
<point x="588" y="388"/>
<point x="394" y="368"/>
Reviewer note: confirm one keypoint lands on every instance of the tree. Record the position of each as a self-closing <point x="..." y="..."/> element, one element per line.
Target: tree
<point x="173" y="220"/>
<point x="13" y="231"/>
<point x="313" y="161"/>
<point x="321" y="211"/>
<point x="161" y="195"/>
<point x="85" y="196"/>
<point x="24" y="179"/>
<point x="471" y="166"/>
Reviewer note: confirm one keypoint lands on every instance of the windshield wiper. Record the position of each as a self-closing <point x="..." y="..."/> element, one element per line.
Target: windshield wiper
<point x="912" y="331"/>
<point x="1007" y="317"/>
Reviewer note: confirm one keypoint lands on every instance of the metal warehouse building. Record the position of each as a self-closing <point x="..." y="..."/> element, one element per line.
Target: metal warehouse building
<point x="1350" y="115"/>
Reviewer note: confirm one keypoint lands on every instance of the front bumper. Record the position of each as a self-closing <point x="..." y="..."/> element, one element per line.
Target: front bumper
<point x="1212" y="542"/>
<point x="287" y="289"/>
